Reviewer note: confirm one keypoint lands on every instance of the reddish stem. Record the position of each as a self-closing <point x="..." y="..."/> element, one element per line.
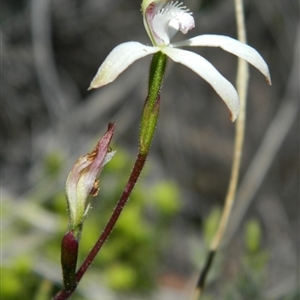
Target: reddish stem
<point x="135" y="173"/>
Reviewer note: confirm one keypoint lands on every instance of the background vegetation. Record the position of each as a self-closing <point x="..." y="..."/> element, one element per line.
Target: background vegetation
<point x="50" y="52"/>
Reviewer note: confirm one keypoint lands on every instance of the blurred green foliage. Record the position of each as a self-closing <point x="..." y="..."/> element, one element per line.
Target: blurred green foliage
<point x="252" y="278"/>
<point x="246" y="276"/>
<point x="253" y="236"/>
<point x="52" y="164"/>
<point x="130" y="258"/>
<point x="211" y="225"/>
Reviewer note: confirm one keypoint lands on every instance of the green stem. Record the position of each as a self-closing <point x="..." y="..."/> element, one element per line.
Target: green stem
<point x="151" y="107"/>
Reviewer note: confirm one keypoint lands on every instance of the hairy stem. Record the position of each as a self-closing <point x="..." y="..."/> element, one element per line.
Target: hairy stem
<point x="135" y="173"/>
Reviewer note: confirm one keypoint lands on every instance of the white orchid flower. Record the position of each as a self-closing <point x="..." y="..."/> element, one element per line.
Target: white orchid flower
<point x="162" y="21"/>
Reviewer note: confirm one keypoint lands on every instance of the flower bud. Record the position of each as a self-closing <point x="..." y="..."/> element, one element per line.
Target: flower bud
<point x="69" y="254"/>
<point x="82" y="180"/>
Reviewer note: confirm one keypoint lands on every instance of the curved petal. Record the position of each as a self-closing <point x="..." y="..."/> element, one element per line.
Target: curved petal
<point x="230" y="45"/>
<point x="119" y="59"/>
<point x="208" y="72"/>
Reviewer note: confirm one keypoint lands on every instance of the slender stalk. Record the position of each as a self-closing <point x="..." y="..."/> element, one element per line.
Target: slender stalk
<point x="151" y="107"/>
<point x="135" y="173"/>
<point x="147" y="130"/>
<point x="137" y="169"/>
<point x="242" y="85"/>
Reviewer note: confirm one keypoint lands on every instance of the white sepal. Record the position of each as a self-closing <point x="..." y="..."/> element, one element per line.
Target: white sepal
<point x="230" y="45"/>
<point x="118" y="60"/>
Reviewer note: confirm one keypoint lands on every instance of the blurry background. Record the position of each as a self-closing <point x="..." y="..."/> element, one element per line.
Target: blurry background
<point x="50" y="52"/>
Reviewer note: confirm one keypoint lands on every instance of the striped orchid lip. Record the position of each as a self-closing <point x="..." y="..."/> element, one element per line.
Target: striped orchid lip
<point x="162" y="20"/>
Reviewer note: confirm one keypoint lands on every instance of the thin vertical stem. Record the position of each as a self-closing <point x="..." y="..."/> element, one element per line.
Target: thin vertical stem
<point x="242" y="85"/>
<point x="152" y="104"/>
<point x="135" y="173"/>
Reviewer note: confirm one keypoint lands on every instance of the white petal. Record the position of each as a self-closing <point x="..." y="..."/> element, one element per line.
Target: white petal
<point x="208" y="72"/>
<point x="230" y="45"/>
<point x="119" y="59"/>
